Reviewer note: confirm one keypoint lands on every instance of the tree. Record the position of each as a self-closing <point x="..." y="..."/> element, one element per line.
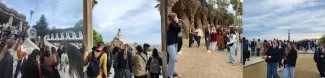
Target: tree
<point x="158" y="5"/>
<point x="41" y="27"/>
<point x="135" y="44"/>
<point x="97" y="37"/>
<point x="322" y="40"/>
<point x="78" y="25"/>
<point x="107" y="43"/>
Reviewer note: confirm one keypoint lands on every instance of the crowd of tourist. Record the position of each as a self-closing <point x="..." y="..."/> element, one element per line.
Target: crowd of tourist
<point x="126" y="64"/>
<point x="282" y="55"/>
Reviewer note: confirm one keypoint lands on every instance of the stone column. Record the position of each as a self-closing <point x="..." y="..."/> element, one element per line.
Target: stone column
<point x="10" y="21"/>
<point x="20" y="25"/>
<point x="87" y="24"/>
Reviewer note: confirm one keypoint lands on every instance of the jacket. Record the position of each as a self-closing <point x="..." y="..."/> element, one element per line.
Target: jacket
<point x="124" y="63"/>
<point x="172" y="33"/>
<point x="139" y="64"/>
<point x="103" y="63"/>
<point x="291" y="58"/>
<point x="274" y="53"/>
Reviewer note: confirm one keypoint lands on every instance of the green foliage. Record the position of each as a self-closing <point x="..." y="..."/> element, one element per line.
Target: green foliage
<point x="97" y="37"/>
<point x="107" y="43"/>
<point x="234" y="7"/>
<point x="322" y="40"/>
<point x="41" y="27"/>
<point x="135" y="44"/>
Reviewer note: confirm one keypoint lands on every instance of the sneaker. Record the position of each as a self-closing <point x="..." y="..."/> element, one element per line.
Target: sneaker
<point x="209" y="51"/>
<point x="180" y="52"/>
<point x="234" y="64"/>
<point x="175" y="75"/>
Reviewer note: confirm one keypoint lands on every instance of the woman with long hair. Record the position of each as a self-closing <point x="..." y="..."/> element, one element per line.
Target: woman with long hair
<point x="233" y="46"/>
<point x="55" y="64"/>
<point x="123" y="63"/>
<point x="282" y="52"/>
<point x="213" y="39"/>
<point x="6" y="60"/>
<point x="172" y="38"/>
<point x="154" y="64"/>
<point x="32" y="68"/>
<point x="290" y="61"/>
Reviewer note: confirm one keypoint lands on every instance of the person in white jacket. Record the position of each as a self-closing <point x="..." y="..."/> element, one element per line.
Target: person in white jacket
<point x="233" y="46"/>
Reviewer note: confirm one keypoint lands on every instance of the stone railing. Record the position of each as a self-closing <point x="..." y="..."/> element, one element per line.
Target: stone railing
<point x="67" y="36"/>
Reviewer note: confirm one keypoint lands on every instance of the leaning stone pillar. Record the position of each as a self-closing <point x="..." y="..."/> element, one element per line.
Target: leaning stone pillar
<point x="20" y="25"/>
<point x="87" y="24"/>
<point x="10" y="21"/>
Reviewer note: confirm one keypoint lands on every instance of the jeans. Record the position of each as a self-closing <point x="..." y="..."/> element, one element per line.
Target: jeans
<point x="241" y="54"/>
<point x="122" y="73"/>
<point x="232" y="54"/>
<point x="272" y="70"/>
<point x="172" y="58"/>
<point x="197" y="38"/>
<point x="154" y="75"/>
<point x="179" y="44"/>
<point x="17" y="68"/>
<point x="289" y="70"/>
<point x="213" y="45"/>
<point x="220" y="47"/>
<point x="253" y="51"/>
<point x="258" y="51"/>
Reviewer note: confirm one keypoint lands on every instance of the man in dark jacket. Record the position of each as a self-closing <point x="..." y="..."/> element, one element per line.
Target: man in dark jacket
<point x="253" y="46"/>
<point x="245" y="50"/>
<point x="319" y="58"/>
<point x="272" y="59"/>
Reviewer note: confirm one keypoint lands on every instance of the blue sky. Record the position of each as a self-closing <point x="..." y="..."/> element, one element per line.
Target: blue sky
<point x="269" y="19"/>
<point x="59" y="13"/>
<point x="138" y="19"/>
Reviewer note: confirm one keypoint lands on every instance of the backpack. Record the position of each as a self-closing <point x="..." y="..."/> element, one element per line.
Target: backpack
<point x="154" y="65"/>
<point x="93" y="68"/>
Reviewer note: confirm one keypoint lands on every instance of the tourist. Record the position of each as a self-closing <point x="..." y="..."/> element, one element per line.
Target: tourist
<point x="106" y="50"/>
<point x="191" y="39"/>
<point x="214" y="36"/>
<point x="20" y="56"/>
<point x="32" y="68"/>
<point x="198" y="35"/>
<point x="282" y="52"/>
<point x="115" y="51"/>
<point x="272" y="60"/>
<point x="207" y="38"/>
<point x="49" y="60"/>
<point x="319" y="58"/>
<point x="154" y="64"/>
<point x="123" y="62"/>
<point x="266" y="45"/>
<point x="172" y="37"/>
<point x="146" y="48"/>
<point x="290" y="61"/>
<point x="253" y="47"/>
<point x="64" y="59"/>
<point x="258" y="47"/>
<point x="59" y="54"/>
<point x="233" y="46"/>
<point x="139" y="63"/>
<point x="54" y="67"/>
<point x="93" y="58"/>
<point x="180" y="42"/>
<point x="220" y="41"/>
<point x="6" y="60"/>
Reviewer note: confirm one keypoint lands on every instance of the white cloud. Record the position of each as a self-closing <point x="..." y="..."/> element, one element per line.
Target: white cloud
<point x="303" y="17"/>
<point x="138" y="19"/>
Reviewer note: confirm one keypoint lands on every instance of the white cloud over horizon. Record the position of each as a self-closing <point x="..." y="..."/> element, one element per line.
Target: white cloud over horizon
<point x="138" y="20"/>
<point x="58" y="13"/>
<point x="269" y="19"/>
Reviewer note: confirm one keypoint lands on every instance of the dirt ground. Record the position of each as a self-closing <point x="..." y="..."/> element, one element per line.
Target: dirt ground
<point x="197" y="63"/>
<point x="305" y="68"/>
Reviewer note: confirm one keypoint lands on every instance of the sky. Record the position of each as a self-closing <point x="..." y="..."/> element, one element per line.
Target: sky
<point x="138" y="20"/>
<point x="59" y="13"/>
<point x="269" y="19"/>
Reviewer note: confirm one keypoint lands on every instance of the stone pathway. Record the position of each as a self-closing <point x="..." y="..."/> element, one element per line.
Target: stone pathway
<point x="197" y="63"/>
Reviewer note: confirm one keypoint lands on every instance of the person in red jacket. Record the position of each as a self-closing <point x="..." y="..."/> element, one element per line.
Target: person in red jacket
<point x="214" y="36"/>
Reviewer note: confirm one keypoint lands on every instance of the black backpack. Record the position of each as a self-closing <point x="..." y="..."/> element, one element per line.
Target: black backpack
<point x="93" y="68"/>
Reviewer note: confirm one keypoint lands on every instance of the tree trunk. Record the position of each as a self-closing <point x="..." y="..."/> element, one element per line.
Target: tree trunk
<point x="198" y="20"/>
<point x="185" y="25"/>
<point x="170" y="5"/>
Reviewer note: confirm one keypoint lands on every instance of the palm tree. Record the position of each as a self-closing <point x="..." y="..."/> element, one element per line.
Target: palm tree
<point x="94" y="3"/>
